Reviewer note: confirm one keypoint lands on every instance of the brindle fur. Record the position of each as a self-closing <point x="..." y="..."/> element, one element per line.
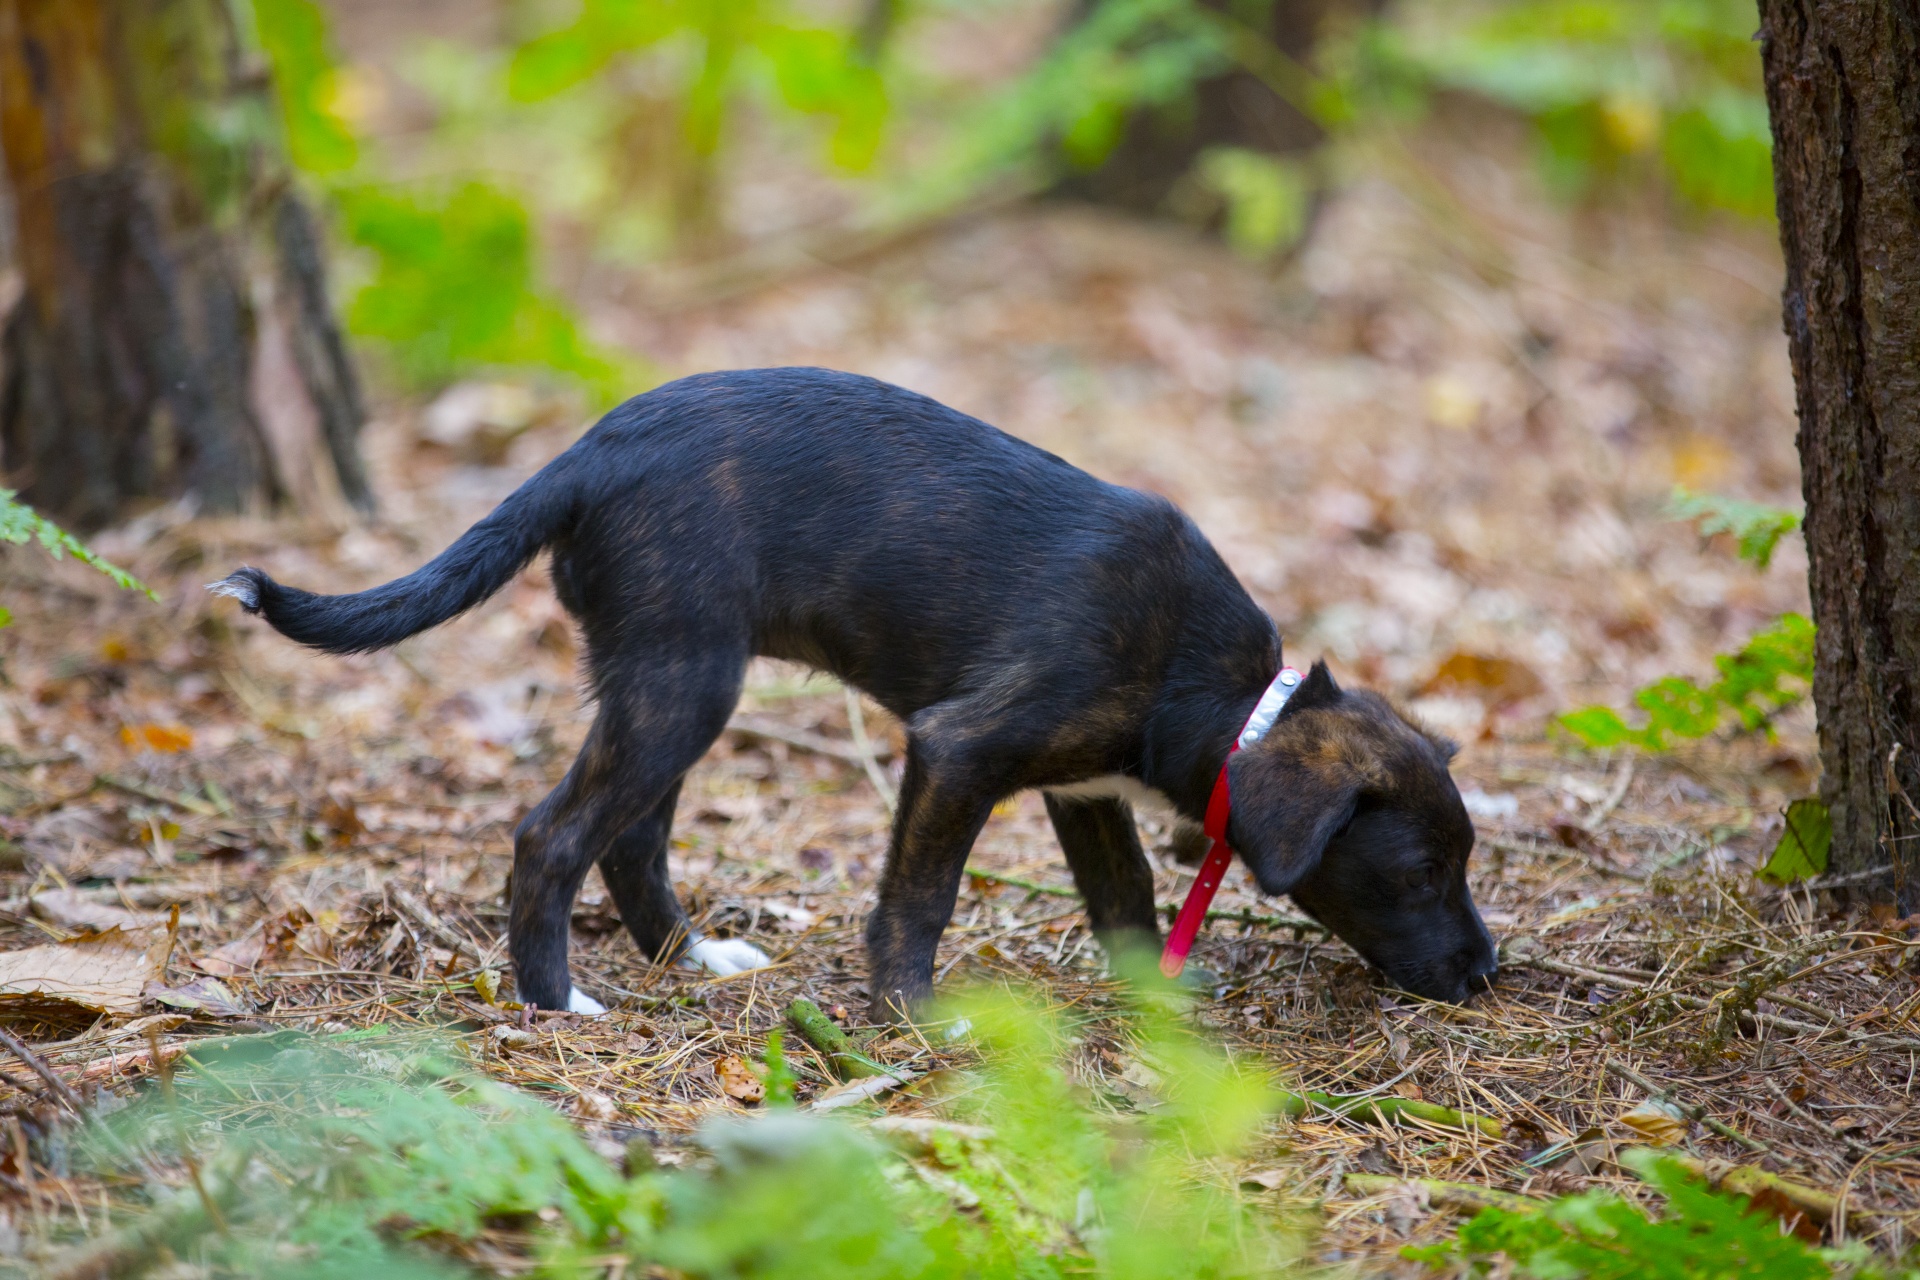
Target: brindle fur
<point x="1030" y="626"/>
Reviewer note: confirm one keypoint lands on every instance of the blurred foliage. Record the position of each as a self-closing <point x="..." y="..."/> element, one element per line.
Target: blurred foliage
<point x="1614" y="88"/>
<point x="1755" y="527"/>
<point x="1599" y="1236"/>
<point x="369" y="1153"/>
<point x="624" y="119"/>
<point x="453" y="288"/>
<point x="20" y="523"/>
<point x="1771" y="673"/>
<point x="1805" y="841"/>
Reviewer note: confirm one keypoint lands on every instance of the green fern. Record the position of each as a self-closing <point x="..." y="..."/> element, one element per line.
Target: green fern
<point x="20" y="523"/>
<point x="1756" y="528"/>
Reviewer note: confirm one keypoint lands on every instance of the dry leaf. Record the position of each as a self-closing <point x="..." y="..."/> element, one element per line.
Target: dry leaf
<point x="208" y="997"/>
<point x="76" y="909"/>
<point x="239" y="956"/>
<point x="95" y="973"/>
<point x="486" y="984"/>
<point x="1660" y="1123"/>
<point x="168" y="738"/>
<point x="589" y="1105"/>
<point x="1500" y="681"/>
<point x="738" y="1080"/>
<point x="1265" y="1179"/>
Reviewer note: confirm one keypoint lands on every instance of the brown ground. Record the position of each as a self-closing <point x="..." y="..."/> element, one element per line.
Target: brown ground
<point x="1437" y="447"/>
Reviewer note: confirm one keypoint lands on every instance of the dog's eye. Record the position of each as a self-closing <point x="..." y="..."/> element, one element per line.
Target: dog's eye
<point x="1421" y="876"/>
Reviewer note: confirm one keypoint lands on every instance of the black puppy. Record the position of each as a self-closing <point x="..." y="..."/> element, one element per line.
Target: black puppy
<point x="1030" y="625"/>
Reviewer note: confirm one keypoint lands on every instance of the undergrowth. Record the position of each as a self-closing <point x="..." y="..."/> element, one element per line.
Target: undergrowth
<point x="370" y="1153"/>
<point x="379" y="1154"/>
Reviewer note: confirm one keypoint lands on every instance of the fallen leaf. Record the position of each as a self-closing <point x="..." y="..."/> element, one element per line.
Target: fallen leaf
<point x="589" y="1105"/>
<point x="208" y="997"/>
<point x="1772" y="1202"/>
<point x="239" y="956"/>
<point x="1802" y="851"/>
<point x="1500" y="681"/>
<point x="1660" y="1123"/>
<point x="1265" y="1179"/>
<point x="95" y="973"/>
<point x="167" y="738"/>
<point x="486" y="984"/>
<point x="514" y="1038"/>
<point x="737" y="1079"/>
<point x="76" y="909"/>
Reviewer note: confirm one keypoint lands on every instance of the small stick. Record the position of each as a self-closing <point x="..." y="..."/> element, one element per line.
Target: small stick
<point x="812" y="1024"/>
<point x="144" y="792"/>
<point x="1168" y="909"/>
<point x="800" y="739"/>
<point x="1461" y="1197"/>
<point x="1746" y="1180"/>
<point x="61" y="1089"/>
<point x="857" y="722"/>
<point x="1818" y="1125"/>
<point x="434" y="926"/>
<point x="1692" y="1112"/>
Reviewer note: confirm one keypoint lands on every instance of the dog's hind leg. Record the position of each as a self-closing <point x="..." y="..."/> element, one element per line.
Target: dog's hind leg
<point x="635" y="869"/>
<point x="1109" y="868"/>
<point x="651" y="728"/>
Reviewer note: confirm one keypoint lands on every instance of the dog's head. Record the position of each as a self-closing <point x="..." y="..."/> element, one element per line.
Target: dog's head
<point x="1348" y="807"/>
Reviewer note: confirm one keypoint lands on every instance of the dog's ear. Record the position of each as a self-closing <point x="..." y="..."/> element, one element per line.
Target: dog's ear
<point x="1317" y="690"/>
<point x="1291" y="797"/>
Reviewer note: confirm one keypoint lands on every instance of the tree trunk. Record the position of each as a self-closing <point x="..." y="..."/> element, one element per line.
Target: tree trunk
<point x="1843" y="84"/>
<point x="1235" y="109"/>
<point x="173" y="337"/>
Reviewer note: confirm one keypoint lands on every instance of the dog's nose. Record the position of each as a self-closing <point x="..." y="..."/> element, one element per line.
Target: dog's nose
<point x="1481" y="972"/>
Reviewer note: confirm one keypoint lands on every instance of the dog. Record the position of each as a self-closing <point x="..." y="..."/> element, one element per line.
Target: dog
<point x="1031" y="627"/>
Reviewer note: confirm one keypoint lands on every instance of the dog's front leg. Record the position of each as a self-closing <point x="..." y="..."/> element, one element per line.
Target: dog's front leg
<point x="943" y="804"/>
<point x="1110" y="869"/>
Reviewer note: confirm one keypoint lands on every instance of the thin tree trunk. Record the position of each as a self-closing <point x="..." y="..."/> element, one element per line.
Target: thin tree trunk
<point x="1843" y="84"/>
<point x="173" y="337"/>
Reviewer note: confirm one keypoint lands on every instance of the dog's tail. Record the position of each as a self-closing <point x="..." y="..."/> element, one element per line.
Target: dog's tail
<point x="479" y="563"/>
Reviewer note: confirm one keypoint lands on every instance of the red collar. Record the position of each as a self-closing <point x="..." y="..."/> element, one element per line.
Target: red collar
<point x="1213" y="868"/>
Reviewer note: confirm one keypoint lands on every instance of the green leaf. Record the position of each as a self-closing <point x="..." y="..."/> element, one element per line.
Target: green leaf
<point x="1802" y="851"/>
<point x="20" y="523"/>
<point x="1755" y="527"/>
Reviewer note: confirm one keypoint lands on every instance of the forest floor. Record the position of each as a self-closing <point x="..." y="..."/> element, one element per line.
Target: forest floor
<point x="1437" y="446"/>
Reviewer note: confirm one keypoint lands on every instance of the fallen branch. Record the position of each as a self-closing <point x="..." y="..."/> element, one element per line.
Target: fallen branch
<point x="144" y="792"/>
<point x="61" y="1089"/>
<point x="1746" y="1180"/>
<point x="1168" y="909"/>
<point x="1461" y="1197"/>
<point x="811" y="1024"/>
<point x="1388" y="1110"/>
<point x="1698" y="1114"/>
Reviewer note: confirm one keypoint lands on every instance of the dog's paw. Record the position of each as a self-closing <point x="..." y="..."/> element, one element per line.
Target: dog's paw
<point x="723" y="956"/>
<point x="579" y="1001"/>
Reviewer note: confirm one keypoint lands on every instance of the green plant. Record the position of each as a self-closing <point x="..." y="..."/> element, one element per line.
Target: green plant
<point x="1755" y="527"/>
<point x="453" y="288"/>
<point x="1772" y="672"/>
<point x="1666" y="86"/>
<point x="1598" y="1236"/>
<point x="20" y="523"/>
<point x="379" y="1153"/>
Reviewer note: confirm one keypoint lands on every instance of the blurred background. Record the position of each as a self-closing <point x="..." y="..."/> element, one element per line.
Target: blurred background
<point x="1423" y="311"/>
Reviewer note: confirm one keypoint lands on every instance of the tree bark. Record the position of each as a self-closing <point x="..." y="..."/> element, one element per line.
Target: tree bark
<point x="173" y="336"/>
<point x="1843" y="86"/>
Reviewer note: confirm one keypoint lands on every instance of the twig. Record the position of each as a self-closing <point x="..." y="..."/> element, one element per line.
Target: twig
<point x="1814" y="1122"/>
<point x="1168" y="909"/>
<point x="1461" y="1197"/>
<point x="140" y="789"/>
<point x="857" y="722"/>
<point x="433" y="925"/>
<point x="799" y="738"/>
<point x="811" y="1024"/>
<point x="1692" y="1112"/>
<point x="61" y="1089"/>
<point x="1604" y="810"/>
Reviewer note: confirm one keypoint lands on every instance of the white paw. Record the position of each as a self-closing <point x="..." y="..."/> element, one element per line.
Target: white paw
<point x="579" y="1001"/>
<point x="723" y="956"/>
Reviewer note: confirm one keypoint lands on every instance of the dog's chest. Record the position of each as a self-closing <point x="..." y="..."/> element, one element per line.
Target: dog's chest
<point x="1114" y="786"/>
